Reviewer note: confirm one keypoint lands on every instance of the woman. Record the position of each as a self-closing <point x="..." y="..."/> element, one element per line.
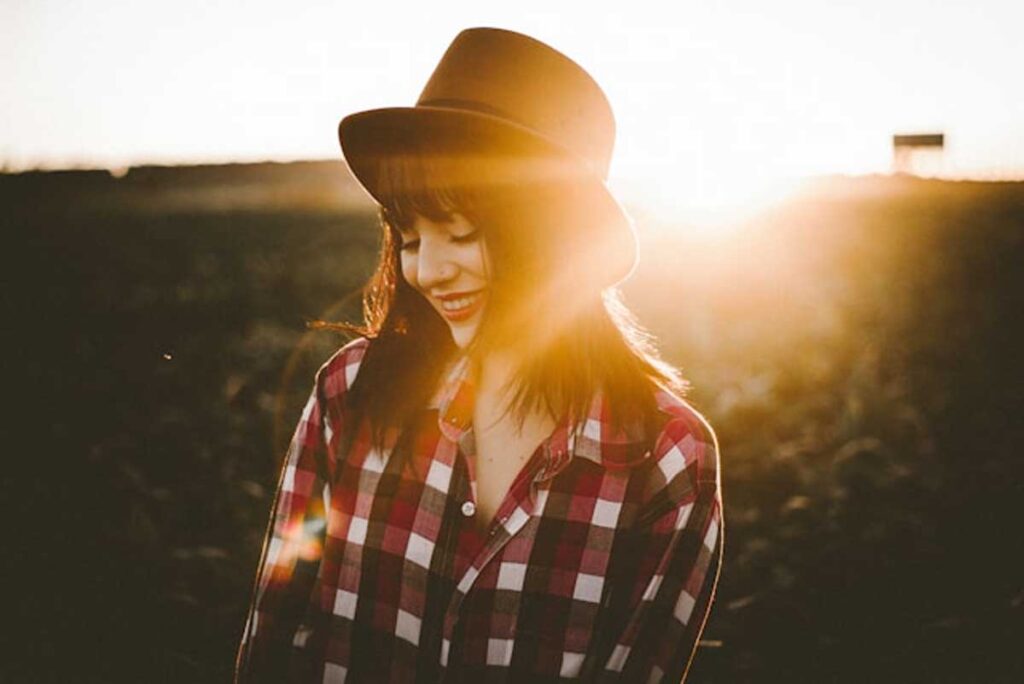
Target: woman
<point x="497" y="481"/>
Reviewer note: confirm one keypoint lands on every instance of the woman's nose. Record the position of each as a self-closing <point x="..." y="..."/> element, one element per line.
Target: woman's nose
<point x="435" y="265"/>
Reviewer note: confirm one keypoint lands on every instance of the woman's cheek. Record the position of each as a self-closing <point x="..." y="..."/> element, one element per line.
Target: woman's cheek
<point x="480" y="260"/>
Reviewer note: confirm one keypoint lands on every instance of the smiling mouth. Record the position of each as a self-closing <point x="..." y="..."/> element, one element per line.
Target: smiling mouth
<point x="462" y="307"/>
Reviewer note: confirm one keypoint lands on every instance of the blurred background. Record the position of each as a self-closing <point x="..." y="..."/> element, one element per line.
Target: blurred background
<point x="830" y="205"/>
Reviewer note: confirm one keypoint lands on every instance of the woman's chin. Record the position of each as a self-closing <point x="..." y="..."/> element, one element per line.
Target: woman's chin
<point x="464" y="331"/>
<point x="463" y="334"/>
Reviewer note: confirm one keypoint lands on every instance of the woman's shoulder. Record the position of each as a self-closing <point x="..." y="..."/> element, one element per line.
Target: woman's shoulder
<point x="338" y="373"/>
<point x="685" y="442"/>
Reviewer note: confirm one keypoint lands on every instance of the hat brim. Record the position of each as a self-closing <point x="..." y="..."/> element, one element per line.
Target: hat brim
<point x="368" y="138"/>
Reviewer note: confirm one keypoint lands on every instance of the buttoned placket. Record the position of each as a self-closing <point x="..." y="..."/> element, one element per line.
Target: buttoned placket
<point x="510" y="517"/>
<point x="466" y="450"/>
<point x="506" y="524"/>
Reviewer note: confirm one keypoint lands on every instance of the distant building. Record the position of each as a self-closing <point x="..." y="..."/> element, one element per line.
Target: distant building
<point x="918" y="154"/>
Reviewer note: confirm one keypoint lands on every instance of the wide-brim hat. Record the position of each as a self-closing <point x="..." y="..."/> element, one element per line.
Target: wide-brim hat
<point x="511" y="100"/>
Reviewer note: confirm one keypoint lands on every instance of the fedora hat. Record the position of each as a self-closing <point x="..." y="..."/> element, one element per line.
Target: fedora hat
<point x="511" y="100"/>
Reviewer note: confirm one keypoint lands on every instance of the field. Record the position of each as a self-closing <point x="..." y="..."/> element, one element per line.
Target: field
<point x="858" y="349"/>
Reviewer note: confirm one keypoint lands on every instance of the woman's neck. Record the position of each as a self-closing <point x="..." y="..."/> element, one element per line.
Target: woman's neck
<point x="495" y="370"/>
<point x="494" y="389"/>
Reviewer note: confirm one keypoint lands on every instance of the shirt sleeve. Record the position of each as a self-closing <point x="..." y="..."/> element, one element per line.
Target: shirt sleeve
<point x="661" y="597"/>
<point x="287" y="578"/>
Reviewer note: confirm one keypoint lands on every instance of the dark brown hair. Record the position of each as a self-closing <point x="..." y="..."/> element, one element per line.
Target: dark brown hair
<point x="545" y="297"/>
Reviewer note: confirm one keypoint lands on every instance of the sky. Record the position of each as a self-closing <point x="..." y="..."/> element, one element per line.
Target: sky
<point x="709" y="97"/>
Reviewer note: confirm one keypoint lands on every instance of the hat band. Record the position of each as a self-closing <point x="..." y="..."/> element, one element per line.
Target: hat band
<point x="590" y="165"/>
<point x="475" y="106"/>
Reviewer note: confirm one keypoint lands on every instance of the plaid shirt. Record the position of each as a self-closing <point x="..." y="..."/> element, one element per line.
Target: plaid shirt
<point x="600" y="564"/>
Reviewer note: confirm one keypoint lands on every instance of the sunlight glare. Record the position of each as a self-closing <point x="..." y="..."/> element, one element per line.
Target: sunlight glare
<point x="709" y="207"/>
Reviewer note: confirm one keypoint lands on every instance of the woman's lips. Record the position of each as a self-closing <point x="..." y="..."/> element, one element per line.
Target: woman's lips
<point x="460" y="307"/>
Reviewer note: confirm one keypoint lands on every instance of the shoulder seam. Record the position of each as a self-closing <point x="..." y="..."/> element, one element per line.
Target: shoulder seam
<point x="343" y="363"/>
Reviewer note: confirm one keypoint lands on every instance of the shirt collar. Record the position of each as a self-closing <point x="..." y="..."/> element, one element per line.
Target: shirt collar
<point x="591" y="437"/>
<point x="454" y="398"/>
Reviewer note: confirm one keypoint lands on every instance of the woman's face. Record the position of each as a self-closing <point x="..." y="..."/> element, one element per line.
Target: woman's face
<point x="447" y="263"/>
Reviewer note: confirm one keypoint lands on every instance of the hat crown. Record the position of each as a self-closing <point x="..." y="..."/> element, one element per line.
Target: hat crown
<point x="517" y="78"/>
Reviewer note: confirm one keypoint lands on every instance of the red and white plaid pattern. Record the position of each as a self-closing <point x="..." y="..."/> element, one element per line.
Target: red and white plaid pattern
<point x="599" y="565"/>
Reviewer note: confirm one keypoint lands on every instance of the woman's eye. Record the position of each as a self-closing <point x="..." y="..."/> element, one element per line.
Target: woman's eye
<point x="410" y="245"/>
<point x="468" y="237"/>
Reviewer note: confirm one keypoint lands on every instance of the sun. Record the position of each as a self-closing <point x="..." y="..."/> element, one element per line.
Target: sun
<point x="710" y="205"/>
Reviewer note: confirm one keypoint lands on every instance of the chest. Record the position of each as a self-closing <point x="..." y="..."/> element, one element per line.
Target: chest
<point x="515" y="588"/>
<point x="502" y="449"/>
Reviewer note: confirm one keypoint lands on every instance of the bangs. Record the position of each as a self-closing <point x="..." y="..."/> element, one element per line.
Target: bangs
<point x="428" y="185"/>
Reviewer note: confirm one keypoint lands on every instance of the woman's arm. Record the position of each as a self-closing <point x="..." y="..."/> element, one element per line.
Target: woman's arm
<point x="291" y="556"/>
<point x="661" y="599"/>
<point x="277" y="632"/>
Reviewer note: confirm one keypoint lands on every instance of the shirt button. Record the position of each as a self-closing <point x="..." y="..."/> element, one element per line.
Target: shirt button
<point x="468" y="508"/>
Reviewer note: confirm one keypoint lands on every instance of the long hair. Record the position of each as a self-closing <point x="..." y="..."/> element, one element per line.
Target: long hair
<point x="546" y="299"/>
